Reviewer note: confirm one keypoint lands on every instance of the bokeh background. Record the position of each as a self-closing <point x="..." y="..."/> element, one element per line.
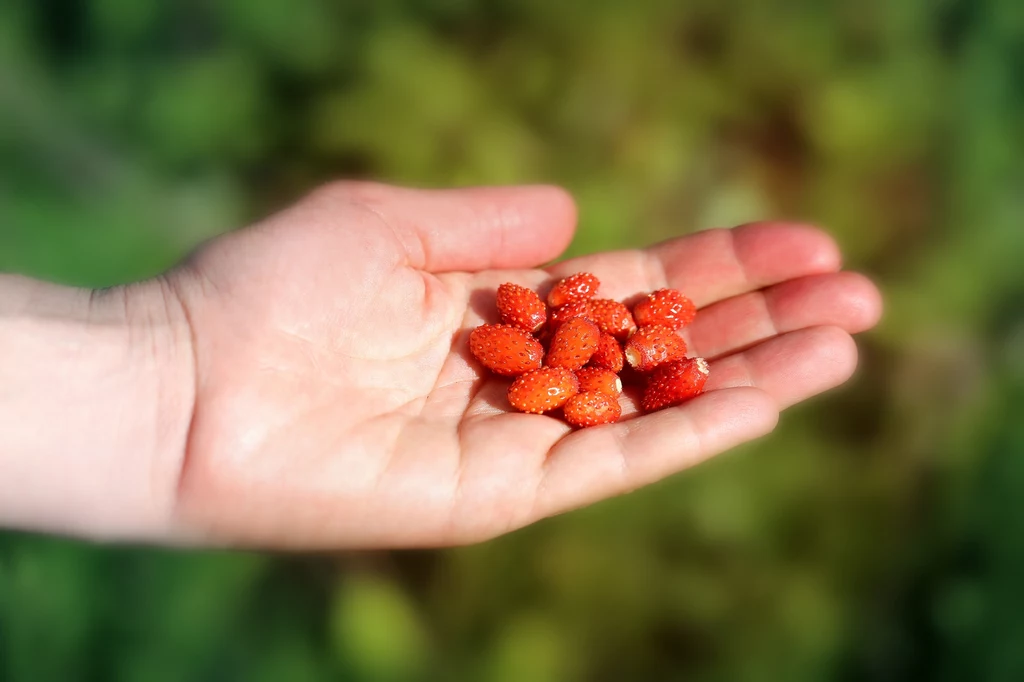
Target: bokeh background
<point x="877" y="535"/>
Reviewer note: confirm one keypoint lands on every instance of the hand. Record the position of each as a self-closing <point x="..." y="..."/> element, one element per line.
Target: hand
<point x="336" y="403"/>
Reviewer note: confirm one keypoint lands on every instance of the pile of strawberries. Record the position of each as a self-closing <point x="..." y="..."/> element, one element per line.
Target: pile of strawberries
<point x="569" y="353"/>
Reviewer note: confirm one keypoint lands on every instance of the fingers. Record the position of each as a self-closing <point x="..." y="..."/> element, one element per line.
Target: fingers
<point x="721" y="263"/>
<point x="601" y="462"/>
<point x="471" y="229"/>
<point x="792" y="367"/>
<point x="846" y="300"/>
<point x="745" y="392"/>
<point x="716" y="264"/>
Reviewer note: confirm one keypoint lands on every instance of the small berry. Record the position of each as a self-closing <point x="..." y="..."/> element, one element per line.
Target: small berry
<point x="599" y="379"/>
<point x="505" y="349"/>
<point x="653" y="346"/>
<point x="542" y="389"/>
<point x="608" y="354"/>
<point x="592" y="408"/>
<point x="666" y="307"/>
<point x="521" y="307"/>
<point x="612" y="317"/>
<point x="582" y="285"/>
<point x="574" y="343"/>
<point x="675" y="383"/>
<point x="570" y="310"/>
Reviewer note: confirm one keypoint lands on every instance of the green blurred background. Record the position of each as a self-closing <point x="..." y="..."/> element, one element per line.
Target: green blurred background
<point x="877" y="535"/>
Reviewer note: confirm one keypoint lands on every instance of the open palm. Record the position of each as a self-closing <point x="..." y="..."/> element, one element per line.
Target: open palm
<point x="337" y="405"/>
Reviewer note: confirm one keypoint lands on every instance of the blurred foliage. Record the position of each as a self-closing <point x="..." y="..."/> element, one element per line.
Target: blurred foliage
<point x="877" y="535"/>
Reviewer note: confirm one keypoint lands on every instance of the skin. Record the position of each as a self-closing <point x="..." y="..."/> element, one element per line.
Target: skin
<point x="305" y="383"/>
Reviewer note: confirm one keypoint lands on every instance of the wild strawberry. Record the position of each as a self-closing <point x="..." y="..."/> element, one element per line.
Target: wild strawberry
<point x="674" y="383"/>
<point x="521" y="307"/>
<point x="612" y="317"/>
<point x="505" y="349"/>
<point x="541" y="390"/>
<point x="574" y="343"/>
<point x="599" y="379"/>
<point x="653" y="346"/>
<point x="573" y="288"/>
<point x="608" y="354"/>
<point x="666" y="307"/>
<point x="570" y="310"/>
<point x="592" y="408"/>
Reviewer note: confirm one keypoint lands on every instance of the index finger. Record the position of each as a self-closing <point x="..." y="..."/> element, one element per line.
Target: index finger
<point x="713" y="265"/>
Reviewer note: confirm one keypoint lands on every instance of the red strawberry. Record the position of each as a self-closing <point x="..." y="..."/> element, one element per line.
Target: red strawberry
<point x="599" y="379"/>
<point x="592" y="408"/>
<point x="652" y="346"/>
<point x="574" y="343"/>
<point x="674" y="383"/>
<point x="542" y="389"/>
<point x="666" y="307"/>
<point x="505" y="349"/>
<point x="570" y="310"/>
<point x="521" y="307"/>
<point x="612" y="317"/>
<point x="573" y="288"/>
<point x="608" y="354"/>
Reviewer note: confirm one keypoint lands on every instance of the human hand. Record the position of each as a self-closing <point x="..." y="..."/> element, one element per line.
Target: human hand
<point x="336" y="403"/>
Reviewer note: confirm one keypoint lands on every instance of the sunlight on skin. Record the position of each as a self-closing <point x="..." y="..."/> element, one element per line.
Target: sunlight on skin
<point x="336" y="404"/>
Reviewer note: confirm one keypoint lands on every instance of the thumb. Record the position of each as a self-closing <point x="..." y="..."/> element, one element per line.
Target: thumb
<point x="472" y="228"/>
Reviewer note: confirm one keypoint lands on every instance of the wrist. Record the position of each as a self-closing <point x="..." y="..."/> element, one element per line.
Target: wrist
<point x="96" y="394"/>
